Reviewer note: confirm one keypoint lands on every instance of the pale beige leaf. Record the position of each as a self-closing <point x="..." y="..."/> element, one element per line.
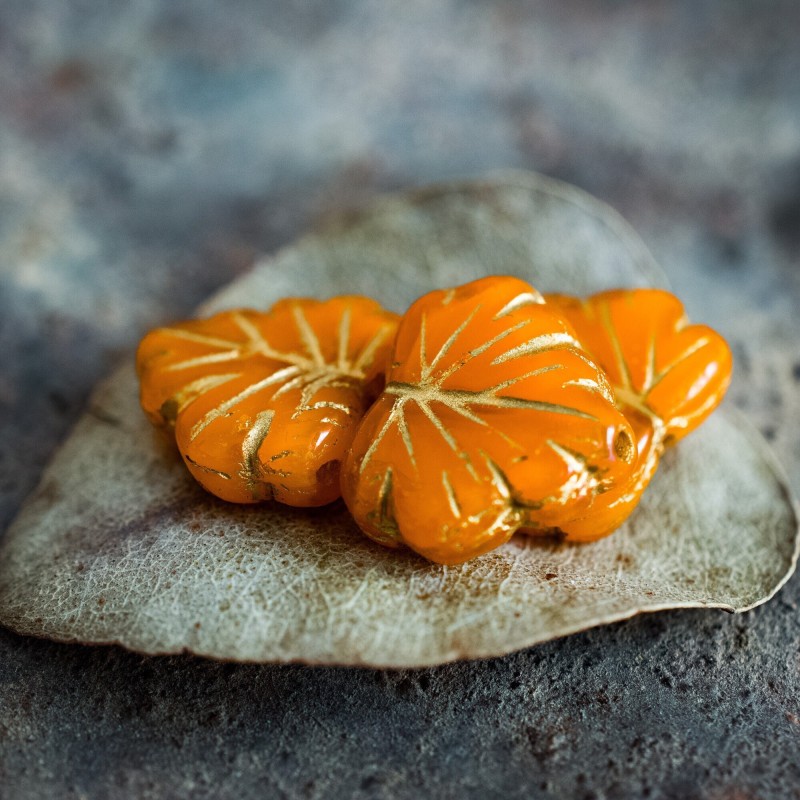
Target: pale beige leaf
<point x="118" y="544"/>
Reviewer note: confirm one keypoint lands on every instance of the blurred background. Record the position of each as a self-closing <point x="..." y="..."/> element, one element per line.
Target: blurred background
<point x="150" y="150"/>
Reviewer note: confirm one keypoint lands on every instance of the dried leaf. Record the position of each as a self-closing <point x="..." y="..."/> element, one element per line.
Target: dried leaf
<point x="118" y="543"/>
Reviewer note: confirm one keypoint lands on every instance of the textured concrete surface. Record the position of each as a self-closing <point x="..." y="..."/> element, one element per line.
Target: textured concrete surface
<point x="149" y="149"/>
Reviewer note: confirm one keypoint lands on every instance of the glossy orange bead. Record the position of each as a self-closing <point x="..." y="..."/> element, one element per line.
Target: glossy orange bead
<point x="493" y="416"/>
<point x="667" y="377"/>
<point x="266" y="405"/>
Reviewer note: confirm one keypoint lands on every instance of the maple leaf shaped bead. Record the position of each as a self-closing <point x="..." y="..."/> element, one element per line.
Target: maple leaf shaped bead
<point x="667" y="377"/>
<point x="265" y="405"/>
<point x="492" y="416"/>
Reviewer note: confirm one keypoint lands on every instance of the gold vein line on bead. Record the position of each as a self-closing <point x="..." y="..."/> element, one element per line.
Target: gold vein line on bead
<point x="344" y="338"/>
<point x="619" y="355"/>
<point x="364" y="360"/>
<point x="222" y="409"/>
<point x="397" y="408"/>
<point x="451" y="340"/>
<point x="688" y="353"/>
<point x="253" y="334"/>
<point x="402" y="426"/>
<point x="316" y="382"/>
<point x="589" y="385"/>
<point x="452" y="397"/>
<point x="539" y="344"/>
<point x="499" y="479"/>
<point x="345" y="409"/>
<point x="200" y="361"/>
<point x="522" y="300"/>
<point x="183" y="397"/>
<point x="467" y="414"/>
<point x="532" y="374"/>
<point x="447" y="436"/>
<point x="481" y="349"/>
<point x="252" y="444"/>
<point x="452" y="499"/>
<point x="498" y="338"/>
<point x="307" y="334"/>
<point x="650" y="370"/>
<point x="387" y="524"/>
<point x="210" y="470"/>
<point x="200" y="338"/>
<point x="573" y="460"/>
<point x="423" y="345"/>
<point x="332" y="421"/>
<point x="439" y="425"/>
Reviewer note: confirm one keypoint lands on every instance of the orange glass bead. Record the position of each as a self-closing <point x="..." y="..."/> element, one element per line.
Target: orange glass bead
<point x="266" y="405"/>
<point x="667" y="377"/>
<point x="493" y="417"/>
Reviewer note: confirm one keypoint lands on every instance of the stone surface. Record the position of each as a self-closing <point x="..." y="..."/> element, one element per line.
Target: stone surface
<point x="148" y="150"/>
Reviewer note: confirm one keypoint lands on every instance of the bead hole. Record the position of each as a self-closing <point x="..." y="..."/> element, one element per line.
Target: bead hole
<point x="624" y="447"/>
<point x="328" y="473"/>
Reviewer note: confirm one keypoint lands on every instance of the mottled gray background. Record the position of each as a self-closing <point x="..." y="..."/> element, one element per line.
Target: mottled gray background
<point x="149" y="149"/>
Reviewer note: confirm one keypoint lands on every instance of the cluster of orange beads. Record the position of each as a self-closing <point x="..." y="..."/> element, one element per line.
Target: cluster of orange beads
<point x="485" y="410"/>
